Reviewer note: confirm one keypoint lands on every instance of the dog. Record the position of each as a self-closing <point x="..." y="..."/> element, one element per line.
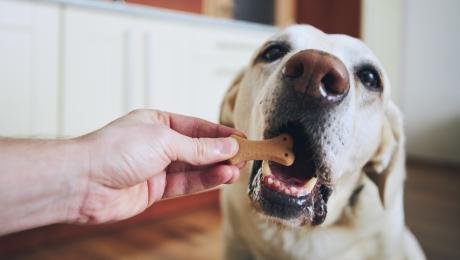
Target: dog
<point x="343" y="196"/>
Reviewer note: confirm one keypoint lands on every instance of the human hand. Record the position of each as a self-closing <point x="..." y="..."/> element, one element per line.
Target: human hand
<point x="148" y="155"/>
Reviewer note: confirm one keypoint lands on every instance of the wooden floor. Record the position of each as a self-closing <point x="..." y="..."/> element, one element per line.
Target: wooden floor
<point x="432" y="212"/>
<point x="432" y="203"/>
<point x="192" y="236"/>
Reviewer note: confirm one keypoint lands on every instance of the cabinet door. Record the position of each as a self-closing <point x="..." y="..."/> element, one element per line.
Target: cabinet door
<point x="28" y="69"/>
<point x="217" y="57"/>
<point x="100" y="69"/>
<point x="190" y="70"/>
<point x="166" y="66"/>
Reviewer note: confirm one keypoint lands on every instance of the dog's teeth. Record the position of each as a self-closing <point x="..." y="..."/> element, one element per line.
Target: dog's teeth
<point x="293" y="190"/>
<point x="287" y="191"/>
<point x="265" y="169"/>
<point x="270" y="180"/>
<point x="310" y="184"/>
<point x="277" y="183"/>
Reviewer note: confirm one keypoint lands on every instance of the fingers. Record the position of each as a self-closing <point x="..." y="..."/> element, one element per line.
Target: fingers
<point x="156" y="188"/>
<point x="196" y="127"/>
<point x="194" y="140"/>
<point x="183" y="183"/>
<point x="176" y="167"/>
<point x="186" y="125"/>
<point x="201" y="151"/>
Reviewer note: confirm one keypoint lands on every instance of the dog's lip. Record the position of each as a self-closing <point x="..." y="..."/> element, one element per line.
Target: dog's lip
<point x="307" y="202"/>
<point x="308" y="208"/>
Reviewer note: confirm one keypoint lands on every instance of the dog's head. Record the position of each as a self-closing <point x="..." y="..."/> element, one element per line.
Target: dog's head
<point x="331" y="94"/>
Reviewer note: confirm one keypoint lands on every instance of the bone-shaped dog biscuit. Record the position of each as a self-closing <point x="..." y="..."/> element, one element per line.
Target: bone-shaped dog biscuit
<point x="277" y="149"/>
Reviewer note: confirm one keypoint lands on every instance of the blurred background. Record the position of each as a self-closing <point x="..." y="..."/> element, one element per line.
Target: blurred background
<point x="68" y="67"/>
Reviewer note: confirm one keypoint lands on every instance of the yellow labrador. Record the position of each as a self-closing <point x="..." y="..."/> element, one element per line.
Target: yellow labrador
<point x="343" y="197"/>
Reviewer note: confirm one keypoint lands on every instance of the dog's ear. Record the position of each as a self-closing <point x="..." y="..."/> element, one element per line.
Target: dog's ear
<point x="228" y="104"/>
<point x="386" y="168"/>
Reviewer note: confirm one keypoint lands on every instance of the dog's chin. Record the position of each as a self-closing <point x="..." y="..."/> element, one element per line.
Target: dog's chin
<point x="296" y="195"/>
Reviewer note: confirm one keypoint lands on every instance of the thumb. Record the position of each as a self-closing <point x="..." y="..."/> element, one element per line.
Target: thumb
<point x="203" y="151"/>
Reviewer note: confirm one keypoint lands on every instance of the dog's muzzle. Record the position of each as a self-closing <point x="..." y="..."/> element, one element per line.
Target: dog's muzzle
<point x="312" y="84"/>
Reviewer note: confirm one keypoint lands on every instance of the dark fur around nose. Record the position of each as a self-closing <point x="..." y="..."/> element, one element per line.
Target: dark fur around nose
<point x="317" y="75"/>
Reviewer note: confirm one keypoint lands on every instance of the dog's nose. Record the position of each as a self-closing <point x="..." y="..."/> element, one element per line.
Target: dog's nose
<point x="317" y="74"/>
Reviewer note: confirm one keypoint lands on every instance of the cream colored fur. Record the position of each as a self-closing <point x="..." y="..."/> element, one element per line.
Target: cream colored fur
<point x="371" y="228"/>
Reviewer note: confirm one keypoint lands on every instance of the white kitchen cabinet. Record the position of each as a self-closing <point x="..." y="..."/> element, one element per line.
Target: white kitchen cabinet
<point x="101" y="69"/>
<point x="223" y="54"/>
<point x="114" y="63"/>
<point x="192" y="67"/>
<point x="167" y="85"/>
<point x="69" y="68"/>
<point x="28" y="69"/>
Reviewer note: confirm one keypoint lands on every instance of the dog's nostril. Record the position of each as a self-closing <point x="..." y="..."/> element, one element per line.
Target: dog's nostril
<point x="334" y="83"/>
<point x="294" y="68"/>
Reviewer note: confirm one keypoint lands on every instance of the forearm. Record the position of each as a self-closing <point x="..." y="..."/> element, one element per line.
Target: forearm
<point x="41" y="182"/>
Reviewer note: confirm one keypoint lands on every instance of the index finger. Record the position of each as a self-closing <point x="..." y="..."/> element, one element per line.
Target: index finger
<point x="196" y="127"/>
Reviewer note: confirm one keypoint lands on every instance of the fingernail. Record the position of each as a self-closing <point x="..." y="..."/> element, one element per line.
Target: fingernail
<point x="228" y="146"/>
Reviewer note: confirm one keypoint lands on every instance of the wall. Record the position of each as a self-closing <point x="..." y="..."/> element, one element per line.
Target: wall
<point x="381" y="30"/>
<point x="418" y="41"/>
<point x="430" y="87"/>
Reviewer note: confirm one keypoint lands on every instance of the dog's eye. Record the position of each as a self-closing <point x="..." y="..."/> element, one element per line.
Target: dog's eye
<point x="370" y="78"/>
<point x="273" y="52"/>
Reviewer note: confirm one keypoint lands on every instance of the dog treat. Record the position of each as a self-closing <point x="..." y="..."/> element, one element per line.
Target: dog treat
<point x="277" y="149"/>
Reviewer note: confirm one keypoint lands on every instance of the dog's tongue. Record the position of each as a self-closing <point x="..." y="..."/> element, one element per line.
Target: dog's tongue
<point x="305" y="152"/>
<point x="302" y="170"/>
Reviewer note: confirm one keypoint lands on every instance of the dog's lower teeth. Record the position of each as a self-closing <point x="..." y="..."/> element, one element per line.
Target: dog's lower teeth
<point x="286" y="188"/>
<point x="310" y="184"/>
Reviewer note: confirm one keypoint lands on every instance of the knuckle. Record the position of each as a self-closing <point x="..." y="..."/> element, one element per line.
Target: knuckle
<point x="138" y="111"/>
<point x="151" y="116"/>
<point x="161" y="117"/>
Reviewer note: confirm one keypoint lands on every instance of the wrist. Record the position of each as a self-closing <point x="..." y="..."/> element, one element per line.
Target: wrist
<point x="77" y="160"/>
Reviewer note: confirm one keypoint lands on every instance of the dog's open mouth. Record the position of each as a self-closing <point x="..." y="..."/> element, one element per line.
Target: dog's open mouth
<point x="295" y="193"/>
